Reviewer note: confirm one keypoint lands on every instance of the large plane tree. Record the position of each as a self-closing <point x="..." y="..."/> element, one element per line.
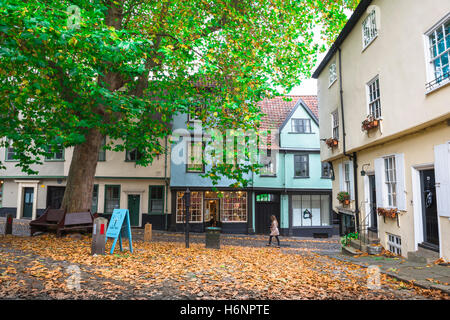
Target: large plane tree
<point x="73" y="72"/>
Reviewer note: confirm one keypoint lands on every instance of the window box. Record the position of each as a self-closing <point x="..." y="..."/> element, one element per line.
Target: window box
<point x="391" y="213"/>
<point x="332" y="143"/>
<point x="344" y="197"/>
<point x="370" y="123"/>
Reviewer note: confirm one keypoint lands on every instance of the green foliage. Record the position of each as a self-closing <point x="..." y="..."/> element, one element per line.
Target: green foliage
<point x="345" y="241"/>
<point x="127" y="78"/>
<point x="342" y="196"/>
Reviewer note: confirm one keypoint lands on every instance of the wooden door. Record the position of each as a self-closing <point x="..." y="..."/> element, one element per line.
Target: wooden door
<point x="134" y="201"/>
<point x="28" y="199"/>
<point x="429" y="207"/>
<point x="267" y="205"/>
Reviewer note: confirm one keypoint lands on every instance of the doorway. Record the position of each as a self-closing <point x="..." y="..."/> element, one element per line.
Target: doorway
<point x="373" y="204"/>
<point x="429" y="209"/>
<point x="134" y="204"/>
<point x="28" y="199"/>
<point x="54" y="197"/>
<point x="266" y="205"/>
<point x="212" y="213"/>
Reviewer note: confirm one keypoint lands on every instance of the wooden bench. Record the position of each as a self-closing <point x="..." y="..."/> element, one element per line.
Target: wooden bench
<point x="48" y="221"/>
<point x="80" y="221"/>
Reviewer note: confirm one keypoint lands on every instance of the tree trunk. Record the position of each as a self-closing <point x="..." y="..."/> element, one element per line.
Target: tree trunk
<point x="80" y="181"/>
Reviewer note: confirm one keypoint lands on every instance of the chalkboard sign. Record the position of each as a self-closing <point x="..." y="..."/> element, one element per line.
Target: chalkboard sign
<point x="119" y="227"/>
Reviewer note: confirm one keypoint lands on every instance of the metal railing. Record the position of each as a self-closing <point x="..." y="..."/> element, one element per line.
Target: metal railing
<point x="366" y="236"/>
<point x="438" y="81"/>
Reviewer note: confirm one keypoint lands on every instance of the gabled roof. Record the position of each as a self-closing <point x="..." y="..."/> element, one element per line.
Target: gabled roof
<point x="351" y="23"/>
<point x="278" y="110"/>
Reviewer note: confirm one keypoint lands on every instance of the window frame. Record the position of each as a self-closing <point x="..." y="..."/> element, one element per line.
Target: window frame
<point x="307" y="166"/>
<point x="373" y="29"/>
<point x="335" y="124"/>
<point x="227" y="211"/>
<point x="127" y="152"/>
<point x="272" y="162"/>
<point x="347" y="178"/>
<point x="304" y="121"/>
<point x="394" y="242"/>
<point x="106" y="193"/>
<point x="432" y="80"/>
<point x="179" y="197"/>
<point x="327" y="164"/>
<point x="53" y="159"/>
<point x="376" y="111"/>
<point x="332" y="74"/>
<point x="296" y="198"/>
<point x="7" y="152"/>
<point x="101" y="151"/>
<point x="96" y="186"/>
<point x="150" y="199"/>
<point x="391" y="186"/>
<point x="189" y="145"/>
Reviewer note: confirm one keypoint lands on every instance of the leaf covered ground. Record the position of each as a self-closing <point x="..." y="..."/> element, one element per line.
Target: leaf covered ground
<point x="42" y="268"/>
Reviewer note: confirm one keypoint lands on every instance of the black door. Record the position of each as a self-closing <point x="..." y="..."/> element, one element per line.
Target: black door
<point x="55" y="196"/>
<point x="134" y="201"/>
<point x="266" y="205"/>
<point x="373" y="204"/>
<point x="28" y="198"/>
<point x="429" y="208"/>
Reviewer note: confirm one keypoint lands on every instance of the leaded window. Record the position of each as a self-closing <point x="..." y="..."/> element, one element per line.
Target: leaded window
<point x="301" y="125"/>
<point x="234" y="207"/>
<point x="370" y="30"/>
<point x="439" y="42"/>
<point x="301" y="166"/>
<point x="195" y="209"/>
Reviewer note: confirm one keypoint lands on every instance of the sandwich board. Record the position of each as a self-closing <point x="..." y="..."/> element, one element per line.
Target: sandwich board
<point x="119" y="227"/>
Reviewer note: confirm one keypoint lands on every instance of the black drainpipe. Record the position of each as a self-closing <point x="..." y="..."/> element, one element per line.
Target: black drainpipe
<point x="352" y="157"/>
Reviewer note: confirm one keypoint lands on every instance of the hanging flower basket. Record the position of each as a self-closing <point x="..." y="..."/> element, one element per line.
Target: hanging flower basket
<point x="331" y="143"/>
<point x="370" y="123"/>
<point x="344" y="198"/>
<point x="388" y="213"/>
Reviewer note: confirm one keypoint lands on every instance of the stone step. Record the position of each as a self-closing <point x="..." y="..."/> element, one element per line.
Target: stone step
<point x="349" y="250"/>
<point x="358" y="245"/>
<point x="370" y="240"/>
<point x="423" y="256"/>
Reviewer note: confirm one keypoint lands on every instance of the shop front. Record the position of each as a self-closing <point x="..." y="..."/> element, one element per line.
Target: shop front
<point x="227" y="210"/>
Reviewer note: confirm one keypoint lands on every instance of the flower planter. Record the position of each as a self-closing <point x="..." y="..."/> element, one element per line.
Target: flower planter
<point x="344" y="198"/>
<point x="370" y="123"/>
<point x="388" y="213"/>
<point x="331" y="143"/>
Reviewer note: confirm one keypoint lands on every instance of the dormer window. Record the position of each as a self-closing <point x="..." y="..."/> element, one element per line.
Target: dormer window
<point x="369" y="29"/>
<point x="301" y="125"/>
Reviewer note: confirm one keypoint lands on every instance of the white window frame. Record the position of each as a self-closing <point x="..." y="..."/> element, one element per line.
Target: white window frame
<point x="269" y="162"/>
<point x="394" y="243"/>
<point x="335" y="125"/>
<point x="332" y="74"/>
<point x="390" y="171"/>
<point x="372" y="28"/>
<point x="347" y="177"/>
<point x="374" y="98"/>
<point x="430" y="58"/>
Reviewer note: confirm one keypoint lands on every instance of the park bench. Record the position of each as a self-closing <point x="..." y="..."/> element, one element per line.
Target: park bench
<point x="48" y="221"/>
<point x="79" y="221"/>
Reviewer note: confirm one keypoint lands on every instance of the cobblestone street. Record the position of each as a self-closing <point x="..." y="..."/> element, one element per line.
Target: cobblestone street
<point x="43" y="267"/>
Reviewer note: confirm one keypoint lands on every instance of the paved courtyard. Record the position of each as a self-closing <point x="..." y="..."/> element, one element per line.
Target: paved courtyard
<point x="46" y="267"/>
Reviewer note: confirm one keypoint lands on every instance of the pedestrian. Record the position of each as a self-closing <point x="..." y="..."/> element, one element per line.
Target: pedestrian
<point x="274" y="231"/>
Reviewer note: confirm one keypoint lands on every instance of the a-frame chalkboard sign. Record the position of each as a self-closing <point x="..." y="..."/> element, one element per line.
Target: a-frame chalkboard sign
<point x="119" y="226"/>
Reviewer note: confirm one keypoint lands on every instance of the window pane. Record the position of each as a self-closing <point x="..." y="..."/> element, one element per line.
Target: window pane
<point x="325" y="210"/>
<point x="112" y="198"/>
<point x="296" y="211"/>
<point x="306" y="205"/>
<point x="157" y="193"/>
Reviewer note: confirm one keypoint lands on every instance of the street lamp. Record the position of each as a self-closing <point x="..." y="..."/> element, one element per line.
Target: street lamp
<point x="187" y="201"/>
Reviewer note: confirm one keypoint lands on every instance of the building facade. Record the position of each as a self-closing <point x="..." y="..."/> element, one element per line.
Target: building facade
<point x="292" y="184"/>
<point x="384" y="97"/>
<point x="119" y="183"/>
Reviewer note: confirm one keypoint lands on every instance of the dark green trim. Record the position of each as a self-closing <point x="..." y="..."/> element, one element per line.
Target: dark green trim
<point x="150" y="199"/>
<point x="106" y="186"/>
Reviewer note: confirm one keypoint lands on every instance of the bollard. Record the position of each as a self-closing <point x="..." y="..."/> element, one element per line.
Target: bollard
<point x="9" y="224"/>
<point x="148" y="232"/>
<point x="99" y="236"/>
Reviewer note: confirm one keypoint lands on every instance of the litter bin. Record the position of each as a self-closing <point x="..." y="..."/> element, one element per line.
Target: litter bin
<point x="212" y="239"/>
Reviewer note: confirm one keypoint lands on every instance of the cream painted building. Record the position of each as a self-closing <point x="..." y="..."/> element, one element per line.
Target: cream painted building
<point x="391" y="61"/>
<point x="119" y="183"/>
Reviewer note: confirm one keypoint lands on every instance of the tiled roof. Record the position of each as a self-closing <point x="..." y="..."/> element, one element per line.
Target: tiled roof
<point x="276" y="110"/>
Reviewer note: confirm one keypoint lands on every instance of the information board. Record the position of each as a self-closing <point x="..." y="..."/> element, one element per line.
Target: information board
<point x="119" y="227"/>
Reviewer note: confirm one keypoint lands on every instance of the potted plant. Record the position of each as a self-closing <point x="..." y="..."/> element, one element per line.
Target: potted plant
<point x="344" y="197"/>
<point x="331" y="142"/>
<point x="370" y="123"/>
<point x="391" y="213"/>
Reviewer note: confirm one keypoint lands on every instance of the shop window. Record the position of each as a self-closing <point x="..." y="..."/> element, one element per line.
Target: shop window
<point x="195" y="210"/>
<point x="234" y="207"/>
<point x="112" y="198"/>
<point x="310" y="210"/>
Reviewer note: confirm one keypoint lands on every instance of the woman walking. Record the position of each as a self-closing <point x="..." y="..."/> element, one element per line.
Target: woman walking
<point x="274" y="231"/>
